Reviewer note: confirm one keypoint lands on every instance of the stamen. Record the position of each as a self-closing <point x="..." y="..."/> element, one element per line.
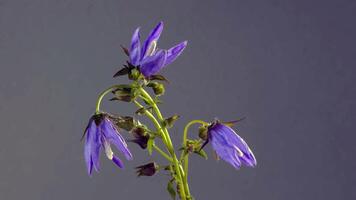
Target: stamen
<point x="109" y="153"/>
<point x="152" y="48"/>
<point x="239" y="151"/>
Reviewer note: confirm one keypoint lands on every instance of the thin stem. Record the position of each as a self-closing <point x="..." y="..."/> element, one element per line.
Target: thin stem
<point x="160" y="151"/>
<point x="101" y="96"/>
<point x="184" y="192"/>
<point x="185" y="157"/>
<point x="153" y="119"/>
<point x="185" y="133"/>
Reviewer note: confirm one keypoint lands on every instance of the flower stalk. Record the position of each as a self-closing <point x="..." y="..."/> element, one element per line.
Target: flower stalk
<point x="184" y="193"/>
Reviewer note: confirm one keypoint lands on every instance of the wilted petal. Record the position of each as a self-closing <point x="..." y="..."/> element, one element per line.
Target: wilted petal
<point x="135" y="49"/>
<point x="174" y="52"/>
<point x="114" y="137"/>
<point x="153" y="36"/>
<point x="153" y="64"/>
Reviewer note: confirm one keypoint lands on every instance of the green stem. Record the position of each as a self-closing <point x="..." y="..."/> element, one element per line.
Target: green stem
<point x="153" y="119"/>
<point x="160" y="151"/>
<point x="184" y="192"/>
<point x="101" y="96"/>
<point x="185" y="157"/>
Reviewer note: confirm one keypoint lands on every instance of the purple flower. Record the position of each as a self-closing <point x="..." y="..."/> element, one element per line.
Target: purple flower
<point x="150" y="59"/>
<point x="101" y="132"/>
<point x="229" y="146"/>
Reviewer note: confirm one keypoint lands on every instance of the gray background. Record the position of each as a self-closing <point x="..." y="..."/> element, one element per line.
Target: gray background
<point x="288" y="66"/>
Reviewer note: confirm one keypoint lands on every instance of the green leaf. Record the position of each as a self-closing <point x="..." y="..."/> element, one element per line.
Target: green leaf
<point x="170" y="189"/>
<point x="202" y="153"/>
<point x="150" y="143"/>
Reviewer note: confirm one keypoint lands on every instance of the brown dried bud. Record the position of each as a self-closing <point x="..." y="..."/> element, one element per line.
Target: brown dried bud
<point x="149" y="169"/>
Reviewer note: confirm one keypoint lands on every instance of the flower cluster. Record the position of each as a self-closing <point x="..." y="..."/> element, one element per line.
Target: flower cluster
<point x="104" y="130"/>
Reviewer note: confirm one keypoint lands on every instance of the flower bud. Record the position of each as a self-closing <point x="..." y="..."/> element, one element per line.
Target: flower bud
<point x="147" y="170"/>
<point x="158" y="88"/>
<point x="134" y="74"/>
<point x="169" y="122"/>
<point x="141" y="136"/>
<point x="203" y="132"/>
<point x="125" y="93"/>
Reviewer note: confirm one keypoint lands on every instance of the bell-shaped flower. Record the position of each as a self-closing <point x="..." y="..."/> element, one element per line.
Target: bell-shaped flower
<point x="229" y="146"/>
<point x="147" y="56"/>
<point x="101" y="132"/>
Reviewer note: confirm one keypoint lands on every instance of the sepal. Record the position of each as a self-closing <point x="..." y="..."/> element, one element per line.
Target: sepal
<point x="201" y="153"/>
<point x="125" y="70"/>
<point x="194" y="146"/>
<point x="126" y="51"/>
<point x="142" y="110"/>
<point x="232" y="123"/>
<point x="157" y="77"/>
<point x="169" y="122"/>
<point x="125" y="122"/>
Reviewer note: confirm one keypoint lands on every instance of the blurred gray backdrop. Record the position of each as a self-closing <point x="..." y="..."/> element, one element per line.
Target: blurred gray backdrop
<point x="288" y="66"/>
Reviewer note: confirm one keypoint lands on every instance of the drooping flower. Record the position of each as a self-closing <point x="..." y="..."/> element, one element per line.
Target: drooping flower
<point x="229" y="146"/>
<point x="141" y="137"/>
<point x="148" y="57"/>
<point x="101" y="132"/>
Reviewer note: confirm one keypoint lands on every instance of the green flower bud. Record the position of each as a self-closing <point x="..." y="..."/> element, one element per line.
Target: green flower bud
<point x="203" y="132"/>
<point x="125" y="93"/>
<point x="134" y="74"/>
<point x="158" y="88"/>
<point x="169" y="122"/>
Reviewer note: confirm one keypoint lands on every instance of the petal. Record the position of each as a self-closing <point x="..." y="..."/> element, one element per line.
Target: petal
<point x="114" y="137"/>
<point x="174" y="52"/>
<point x="118" y="162"/>
<point x="153" y="64"/>
<point x="235" y="140"/>
<point x="135" y="49"/>
<point x="153" y="36"/>
<point x="224" y="150"/>
<point x="92" y="147"/>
